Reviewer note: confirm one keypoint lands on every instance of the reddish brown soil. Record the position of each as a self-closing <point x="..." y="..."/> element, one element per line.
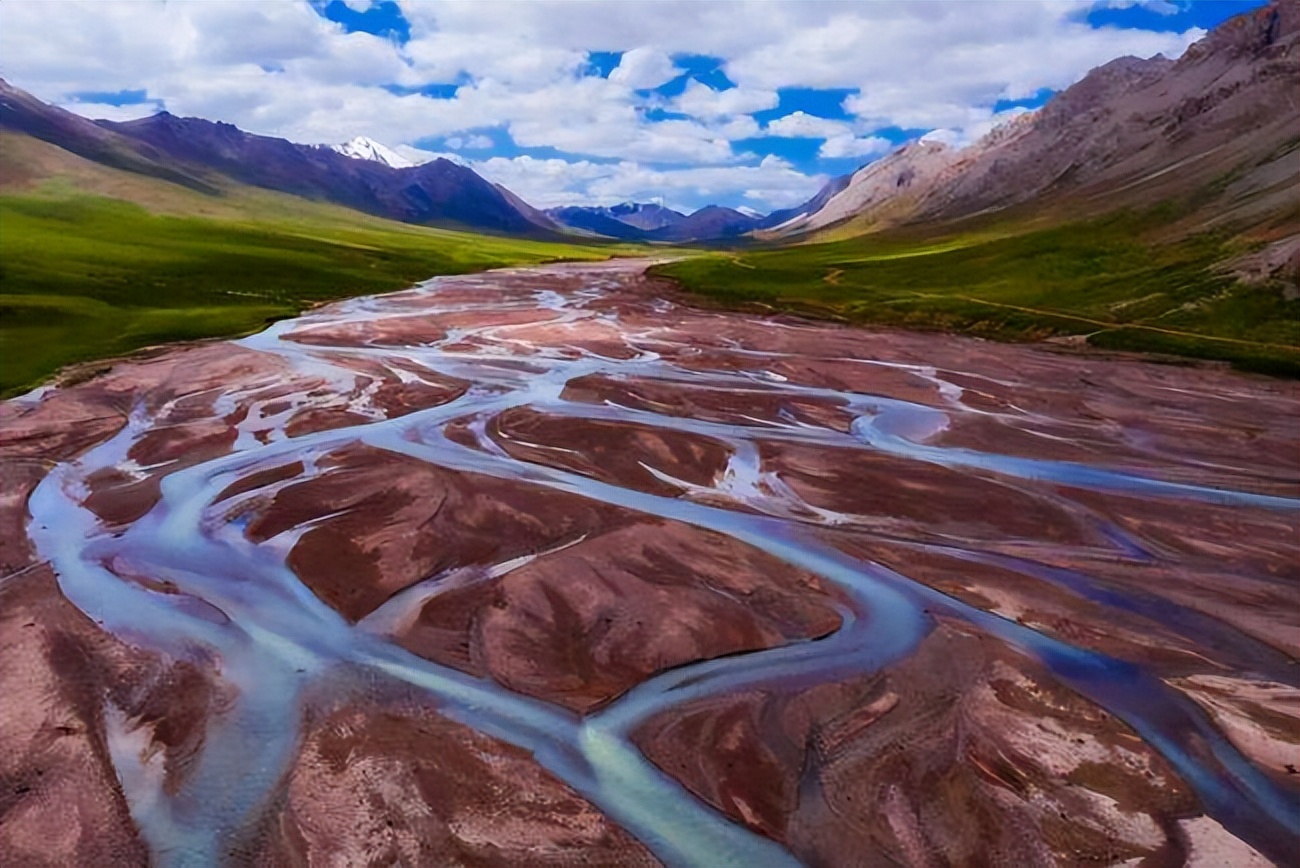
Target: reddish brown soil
<point x="395" y="783"/>
<point x="963" y="753"/>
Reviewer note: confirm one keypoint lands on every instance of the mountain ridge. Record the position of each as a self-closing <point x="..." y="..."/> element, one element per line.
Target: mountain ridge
<point x="1131" y="133"/>
<point x="439" y="191"/>
<point x="366" y="148"/>
<point x="206" y="155"/>
<point x="646" y="221"/>
<point x="362" y="174"/>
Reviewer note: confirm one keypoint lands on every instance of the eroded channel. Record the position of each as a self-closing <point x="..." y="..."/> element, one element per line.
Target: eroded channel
<point x="668" y="585"/>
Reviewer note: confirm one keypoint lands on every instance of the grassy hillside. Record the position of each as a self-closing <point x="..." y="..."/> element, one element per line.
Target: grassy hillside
<point x="1099" y="279"/>
<point x="96" y="262"/>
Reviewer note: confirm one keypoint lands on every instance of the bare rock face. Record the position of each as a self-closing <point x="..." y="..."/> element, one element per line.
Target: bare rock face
<point x="1277" y="263"/>
<point x="882" y="192"/>
<point x="1218" y="107"/>
<point x="1132" y="132"/>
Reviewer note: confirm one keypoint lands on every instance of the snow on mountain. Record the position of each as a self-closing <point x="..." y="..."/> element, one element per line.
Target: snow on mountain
<point x="750" y="212"/>
<point x="362" y="148"/>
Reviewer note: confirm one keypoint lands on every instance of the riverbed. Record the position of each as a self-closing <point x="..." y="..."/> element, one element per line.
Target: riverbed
<point x="547" y="566"/>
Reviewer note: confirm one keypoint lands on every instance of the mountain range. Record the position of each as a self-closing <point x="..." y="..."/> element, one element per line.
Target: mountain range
<point x="633" y="221"/>
<point x="362" y="174"/>
<point x="206" y="156"/>
<point x="1218" y="128"/>
<point x="1216" y="131"/>
<point x="363" y="148"/>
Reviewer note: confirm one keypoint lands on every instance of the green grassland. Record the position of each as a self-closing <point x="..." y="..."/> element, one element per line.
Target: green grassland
<point x="85" y="277"/>
<point x="95" y="262"/>
<point x="1105" y="280"/>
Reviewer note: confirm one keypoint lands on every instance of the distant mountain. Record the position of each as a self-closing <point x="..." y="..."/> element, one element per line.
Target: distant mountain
<point x="205" y="156"/>
<point x="362" y="148"/>
<point x="889" y="187"/>
<point x="597" y="221"/>
<point x="648" y="216"/>
<point x="635" y="221"/>
<point x="785" y="215"/>
<point x="629" y="221"/>
<point x="1218" y="129"/>
<point x="710" y="223"/>
<point x="436" y="192"/>
<point x="534" y="216"/>
<point x="21" y="112"/>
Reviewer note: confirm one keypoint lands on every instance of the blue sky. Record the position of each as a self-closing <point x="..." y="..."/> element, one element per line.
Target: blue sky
<point x="593" y="103"/>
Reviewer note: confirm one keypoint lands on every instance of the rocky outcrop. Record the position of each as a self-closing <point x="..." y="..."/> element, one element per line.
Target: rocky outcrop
<point x="1219" y="125"/>
<point x="884" y="191"/>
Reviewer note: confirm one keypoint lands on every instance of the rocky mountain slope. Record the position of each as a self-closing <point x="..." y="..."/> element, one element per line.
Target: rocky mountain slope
<point x="1216" y="130"/>
<point x="20" y="112"/>
<point x="363" y="148"/>
<point x="362" y="174"/>
<point x="205" y="156"/>
<point x="785" y="215"/>
<point x="889" y="186"/>
<point x="437" y="192"/>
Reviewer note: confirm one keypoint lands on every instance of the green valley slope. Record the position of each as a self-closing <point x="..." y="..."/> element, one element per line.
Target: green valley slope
<point x="99" y="261"/>
<point x="1120" y="282"/>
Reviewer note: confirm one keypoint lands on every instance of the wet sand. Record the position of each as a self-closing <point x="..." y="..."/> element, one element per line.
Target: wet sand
<point x="547" y="567"/>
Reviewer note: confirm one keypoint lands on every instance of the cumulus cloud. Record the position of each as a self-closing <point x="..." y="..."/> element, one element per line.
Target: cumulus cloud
<point x="973" y="132"/>
<point x="848" y="145"/>
<point x="419" y="156"/>
<point x="801" y="125"/>
<point x="701" y="101"/>
<point x="773" y="183"/>
<point x="100" y="111"/>
<point x="469" y="143"/>
<point x="644" y="68"/>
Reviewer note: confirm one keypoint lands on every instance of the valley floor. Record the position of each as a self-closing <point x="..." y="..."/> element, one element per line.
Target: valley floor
<point x="87" y="277"/>
<point x="543" y="566"/>
<point x="1110" y="282"/>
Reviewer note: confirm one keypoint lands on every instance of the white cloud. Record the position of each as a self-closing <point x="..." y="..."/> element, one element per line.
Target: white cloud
<point x="848" y="145"/>
<point x="446" y="56"/>
<point x="973" y="132"/>
<point x="773" y="183"/>
<point x="800" y="125"/>
<point x="701" y="101"/>
<point x="1161" y="7"/>
<point x="469" y="143"/>
<point x="419" y="156"/>
<point x="644" y="68"/>
<point x="107" y="112"/>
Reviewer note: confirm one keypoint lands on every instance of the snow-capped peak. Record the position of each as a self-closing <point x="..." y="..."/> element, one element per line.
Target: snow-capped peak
<point x="749" y="212"/>
<point x="362" y="148"/>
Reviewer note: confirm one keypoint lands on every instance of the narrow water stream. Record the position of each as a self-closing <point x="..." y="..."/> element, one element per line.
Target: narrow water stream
<point x="278" y="643"/>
